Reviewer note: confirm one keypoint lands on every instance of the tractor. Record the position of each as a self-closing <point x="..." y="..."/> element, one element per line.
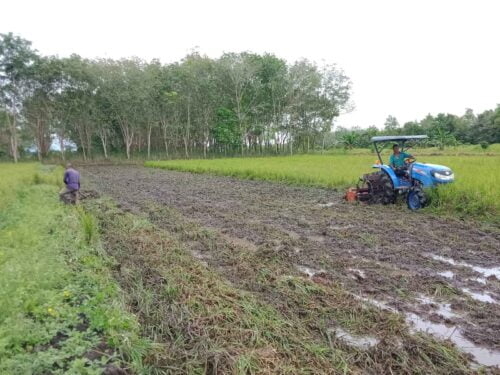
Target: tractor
<point x="385" y="185"/>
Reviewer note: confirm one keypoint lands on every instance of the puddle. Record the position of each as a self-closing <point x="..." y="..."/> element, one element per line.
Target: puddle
<point x="380" y="304"/>
<point x="361" y="342"/>
<point x="481" y="280"/>
<point x="357" y="273"/>
<point x="483" y="297"/>
<point x="486" y="271"/>
<point x="329" y="204"/>
<point x="309" y="271"/>
<point x="481" y="355"/>
<point x="443" y="309"/>
<point x="447" y="274"/>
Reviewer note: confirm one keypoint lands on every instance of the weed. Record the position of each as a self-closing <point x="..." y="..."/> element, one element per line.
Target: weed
<point x="89" y="226"/>
<point x="37" y="179"/>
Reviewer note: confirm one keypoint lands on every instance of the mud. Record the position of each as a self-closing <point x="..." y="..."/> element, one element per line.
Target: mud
<point x="425" y="267"/>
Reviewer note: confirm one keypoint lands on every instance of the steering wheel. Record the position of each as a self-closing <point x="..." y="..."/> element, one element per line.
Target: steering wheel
<point x="410" y="160"/>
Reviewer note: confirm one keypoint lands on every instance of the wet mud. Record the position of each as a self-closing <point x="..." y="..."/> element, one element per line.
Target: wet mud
<point x="441" y="275"/>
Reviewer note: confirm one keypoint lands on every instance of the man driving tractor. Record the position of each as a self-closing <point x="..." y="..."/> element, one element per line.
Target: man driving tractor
<point x="397" y="160"/>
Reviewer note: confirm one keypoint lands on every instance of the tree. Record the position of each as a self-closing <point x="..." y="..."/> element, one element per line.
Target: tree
<point x="350" y="140"/>
<point x="391" y="125"/>
<point x="441" y="138"/>
<point x="239" y="74"/>
<point x="226" y="132"/>
<point x="16" y="60"/>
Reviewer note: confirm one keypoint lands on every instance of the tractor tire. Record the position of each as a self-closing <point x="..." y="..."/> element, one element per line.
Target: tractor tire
<point x="418" y="194"/>
<point x="416" y="198"/>
<point x="388" y="193"/>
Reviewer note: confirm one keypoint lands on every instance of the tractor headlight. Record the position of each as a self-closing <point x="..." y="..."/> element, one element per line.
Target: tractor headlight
<point x="443" y="175"/>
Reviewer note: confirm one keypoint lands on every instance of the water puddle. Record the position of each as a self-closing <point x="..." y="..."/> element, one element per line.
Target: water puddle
<point x="480" y="280"/>
<point x="481" y="355"/>
<point x="380" y="304"/>
<point x="309" y="271"/>
<point x="447" y="274"/>
<point x="443" y="309"/>
<point x="357" y="273"/>
<point x="361" y="342"/>
<point x="485" y="271"/>
<point x="324" y="205"/>
<point x="478" y="296"/>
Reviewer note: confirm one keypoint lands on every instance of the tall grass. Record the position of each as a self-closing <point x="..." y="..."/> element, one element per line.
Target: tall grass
<point x="53" y="273"/>
<point x="475" y="192"/>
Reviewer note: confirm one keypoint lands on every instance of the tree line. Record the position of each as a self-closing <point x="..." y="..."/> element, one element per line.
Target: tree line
<point x="239" y="103"/>
<point x="443" y="130"/>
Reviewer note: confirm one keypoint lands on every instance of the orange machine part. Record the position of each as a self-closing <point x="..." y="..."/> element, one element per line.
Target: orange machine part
<point x="351" y="195"/>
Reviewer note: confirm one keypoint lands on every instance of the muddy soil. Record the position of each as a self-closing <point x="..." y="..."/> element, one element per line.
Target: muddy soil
<point x="442" y="275"/>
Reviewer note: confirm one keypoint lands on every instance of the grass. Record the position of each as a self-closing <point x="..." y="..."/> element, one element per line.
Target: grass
<point x="474" y="193"/>
<point x="248" y="322"/>
<point x="58" y="302"/>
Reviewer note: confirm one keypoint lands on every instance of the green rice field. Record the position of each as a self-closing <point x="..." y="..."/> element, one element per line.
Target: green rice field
<point x="476" y="191"/>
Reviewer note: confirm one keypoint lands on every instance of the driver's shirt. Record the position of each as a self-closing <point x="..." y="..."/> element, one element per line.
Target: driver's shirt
<point x="398" y="160"/>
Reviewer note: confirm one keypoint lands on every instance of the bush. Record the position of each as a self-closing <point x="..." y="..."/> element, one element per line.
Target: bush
<point x="484" y="145"/>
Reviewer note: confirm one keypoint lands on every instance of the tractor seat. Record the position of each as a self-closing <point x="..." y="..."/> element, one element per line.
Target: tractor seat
<point x="401" y="171"/>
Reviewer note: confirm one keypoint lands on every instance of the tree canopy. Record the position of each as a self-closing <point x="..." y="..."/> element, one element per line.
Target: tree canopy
<point x="240" y="103"/>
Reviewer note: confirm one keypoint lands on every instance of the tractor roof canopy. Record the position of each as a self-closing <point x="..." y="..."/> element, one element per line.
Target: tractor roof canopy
<point x="398" y="138"/>
<point x="385" y="139"/>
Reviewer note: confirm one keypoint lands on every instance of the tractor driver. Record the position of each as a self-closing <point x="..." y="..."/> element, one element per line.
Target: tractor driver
<point x="397" y="160"/>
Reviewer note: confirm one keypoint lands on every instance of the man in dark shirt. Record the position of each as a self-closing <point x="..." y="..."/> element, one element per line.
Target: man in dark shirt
<point x="72" y="181"/>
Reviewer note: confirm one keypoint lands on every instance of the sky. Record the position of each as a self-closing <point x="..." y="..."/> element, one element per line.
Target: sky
<point x="405" y="58"/>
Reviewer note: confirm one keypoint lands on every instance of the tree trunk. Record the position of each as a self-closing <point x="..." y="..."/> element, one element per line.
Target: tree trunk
<point x="164" y="132"/>
<point x="84" y="153"/>
<point x="150" y="128"/>
<point x="127" y="149"/>
<point x="128" y="137"/>
<point x="39" y="139"/>
<point x="186" y="137"/>
<point x="61" y="146"/>
<point x="13" y="138"/>
<point x="104" y="142"/>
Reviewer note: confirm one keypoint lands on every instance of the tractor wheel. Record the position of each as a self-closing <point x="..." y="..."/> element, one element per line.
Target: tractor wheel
<point x="388" y="195"/>
<point x="416" y="198"/>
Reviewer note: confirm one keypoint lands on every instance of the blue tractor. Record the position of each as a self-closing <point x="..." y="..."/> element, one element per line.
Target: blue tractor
<point x="385" y="185"/>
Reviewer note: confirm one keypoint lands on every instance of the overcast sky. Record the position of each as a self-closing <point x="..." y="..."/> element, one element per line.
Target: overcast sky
<point x="405" y="58"/>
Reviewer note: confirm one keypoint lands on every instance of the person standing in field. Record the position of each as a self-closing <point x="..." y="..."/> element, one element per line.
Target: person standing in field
<point x="70" y="193"/>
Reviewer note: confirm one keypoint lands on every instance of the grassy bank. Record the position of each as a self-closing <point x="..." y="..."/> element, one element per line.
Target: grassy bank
<point x="474" y="194"/>
<point x="60" y="311"/>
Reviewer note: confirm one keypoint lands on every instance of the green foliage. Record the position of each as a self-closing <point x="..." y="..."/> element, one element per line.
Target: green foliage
<point x="131" y="104"/>
<point x="226" y="130"/>
<point x="89" y="227"/>
<point x="350" y="140"/>
<point x="57" y="300"/>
